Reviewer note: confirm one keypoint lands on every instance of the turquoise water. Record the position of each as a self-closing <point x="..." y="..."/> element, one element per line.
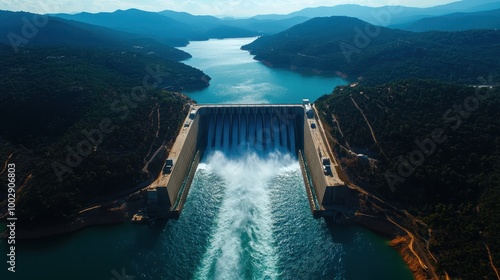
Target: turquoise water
<point x="238" y="78"/>
<point x="246" y="216"/>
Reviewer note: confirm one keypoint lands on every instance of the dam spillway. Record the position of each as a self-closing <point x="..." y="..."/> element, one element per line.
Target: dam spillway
<point x="235" y="129"/>
<point x="264" y="128"/>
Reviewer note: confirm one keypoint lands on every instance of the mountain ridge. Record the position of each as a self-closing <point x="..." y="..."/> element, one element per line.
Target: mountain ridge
<point x="376" y="54"/>
<point x="396" y="14"/>
<point x="457" y="22"/>
<point x="173" y="28"/>
<point x="62" y="32"/>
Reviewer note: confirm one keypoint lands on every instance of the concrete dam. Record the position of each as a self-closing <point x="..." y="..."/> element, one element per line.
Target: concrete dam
<point x="232" y="129"/>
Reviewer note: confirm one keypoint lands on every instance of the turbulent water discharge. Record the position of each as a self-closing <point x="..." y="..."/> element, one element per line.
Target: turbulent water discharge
<point x="246" y="154"/>
<point x="242" y="244"/>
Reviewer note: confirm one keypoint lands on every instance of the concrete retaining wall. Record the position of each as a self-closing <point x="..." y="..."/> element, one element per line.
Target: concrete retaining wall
<point x="183" y="160"/>
<point x="176" y="212"/>
<point x="314" y="164"/>
<point x="309" y="191"/>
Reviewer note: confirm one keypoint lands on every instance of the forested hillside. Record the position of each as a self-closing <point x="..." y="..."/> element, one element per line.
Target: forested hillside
<point x="435" y="150"/>
<point x="20" y="29"/>
<point x="358" y="50"/>
<point x="81" y="123"/>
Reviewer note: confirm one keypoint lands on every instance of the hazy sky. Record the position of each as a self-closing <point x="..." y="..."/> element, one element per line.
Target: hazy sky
<point x="206" y="7"/>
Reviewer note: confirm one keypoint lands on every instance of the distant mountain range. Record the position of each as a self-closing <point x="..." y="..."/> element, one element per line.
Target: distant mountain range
<point x="457" y="22"/>
<point x="353" y="48"/>
<point x="178" y="28"/>
<point x="328" y="44"/>
<point x="214" y="27"/>
<point x="61" y="32"/>
<point x="173" y="28"/>
<point x="389" y="15"/>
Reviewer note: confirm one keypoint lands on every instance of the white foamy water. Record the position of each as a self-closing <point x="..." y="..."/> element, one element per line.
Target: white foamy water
<point x="242" y="245"/>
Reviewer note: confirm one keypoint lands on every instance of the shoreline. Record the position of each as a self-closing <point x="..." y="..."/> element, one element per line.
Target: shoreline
<point x="402" y="232"/>
<point x="96" y="217"/>
<point x="310" y="71"/>
<point x="397" y="238"/>
<point x="399" y="241"/>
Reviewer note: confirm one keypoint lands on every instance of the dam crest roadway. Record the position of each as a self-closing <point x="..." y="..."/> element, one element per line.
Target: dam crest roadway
<point x="290" y="128"/>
